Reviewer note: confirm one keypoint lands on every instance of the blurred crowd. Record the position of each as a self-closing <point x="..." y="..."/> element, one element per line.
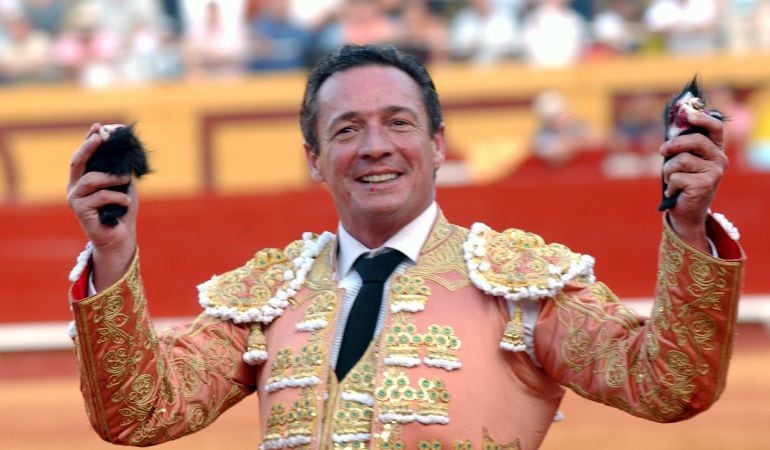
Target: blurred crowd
<point x="104" y="43"/>
<point x="101" y="43"/>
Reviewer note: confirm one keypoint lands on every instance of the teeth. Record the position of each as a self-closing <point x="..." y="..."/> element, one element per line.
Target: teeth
<point x="379" y="178"/>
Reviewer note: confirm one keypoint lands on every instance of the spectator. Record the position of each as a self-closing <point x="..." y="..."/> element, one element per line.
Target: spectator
<point x="276" y="41"/>
<point x="86" y="51"/>
<point x="685" y="26"/>
<point x="745" y="25"/>
<point x="10" y="8"/>
<point x="741" y="118"/>
<point x="314" y="15"/>
<point x="617" y="28"/>
<point x="123" y="17"/>
<point x="213" y="46"/>
<point x="483" y="34"/>
<point x="357" y="22"/>
<point x="423" y="33"/>
<point x="365" y="21"/>
<point x="561" y="137"/>
<point x="151" y="54"/>
<point x="172" y="11"/>
<point x="554" y="35"/>
<point x="26" y="53"/>
<point x="45" y="15"/>
<point x="638" y="133"/>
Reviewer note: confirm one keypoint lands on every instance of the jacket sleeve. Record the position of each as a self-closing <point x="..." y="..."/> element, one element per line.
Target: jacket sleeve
<point x="141" y="388"/>
<point x="668" y="367"/>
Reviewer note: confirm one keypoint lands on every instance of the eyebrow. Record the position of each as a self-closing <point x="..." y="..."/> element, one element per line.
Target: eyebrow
<point x="350" y="115"/>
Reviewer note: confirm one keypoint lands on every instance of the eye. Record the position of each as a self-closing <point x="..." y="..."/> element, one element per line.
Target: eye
<point x="400" y="123"/>
<point x="344" y="132"/>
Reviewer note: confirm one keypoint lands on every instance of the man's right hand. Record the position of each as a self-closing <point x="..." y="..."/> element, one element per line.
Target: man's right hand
<point x="114" y="246"/>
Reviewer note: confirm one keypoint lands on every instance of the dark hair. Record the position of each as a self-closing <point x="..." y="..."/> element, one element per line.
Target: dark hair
<point x="350" y="56"/>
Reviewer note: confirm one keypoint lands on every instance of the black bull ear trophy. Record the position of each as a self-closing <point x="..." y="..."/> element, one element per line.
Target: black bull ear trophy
<point x="121" y="153"/>
<point x="677" y="124"/>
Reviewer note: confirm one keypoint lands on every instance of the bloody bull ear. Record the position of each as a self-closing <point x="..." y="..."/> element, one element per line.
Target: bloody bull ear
<point x="675" y="116"/>
<point x="121" y="153"/>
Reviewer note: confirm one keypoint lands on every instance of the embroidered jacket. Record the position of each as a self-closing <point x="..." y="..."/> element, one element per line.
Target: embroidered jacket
<point x="447" y="371"/>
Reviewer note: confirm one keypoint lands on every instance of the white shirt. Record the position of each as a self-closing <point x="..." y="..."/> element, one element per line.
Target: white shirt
<point x="408" y="240"/>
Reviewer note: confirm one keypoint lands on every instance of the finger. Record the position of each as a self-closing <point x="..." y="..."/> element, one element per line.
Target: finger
<point x="82" y="155"/>
<point x="685" y="163"/>
<point x="714" y="126"/>
<point x="694" y="184"/>
<point x="94" y="129"/>
<point x="697" y="144"/>
<point x="97" y="199"/>
<point x="94" y="181"/>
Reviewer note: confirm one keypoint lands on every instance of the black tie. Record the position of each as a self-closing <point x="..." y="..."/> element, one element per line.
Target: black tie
<point x="362" y="320"/>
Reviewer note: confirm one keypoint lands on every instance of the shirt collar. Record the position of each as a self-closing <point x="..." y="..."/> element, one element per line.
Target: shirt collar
<point x="408" y="240"/>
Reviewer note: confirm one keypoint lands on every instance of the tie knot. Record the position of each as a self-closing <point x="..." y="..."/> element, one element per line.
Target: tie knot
<point x="378" y="268"/>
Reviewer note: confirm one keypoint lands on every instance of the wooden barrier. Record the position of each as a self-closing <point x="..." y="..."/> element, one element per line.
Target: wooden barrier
<point x="242" y="137"/>
<point x="185" y="241"/>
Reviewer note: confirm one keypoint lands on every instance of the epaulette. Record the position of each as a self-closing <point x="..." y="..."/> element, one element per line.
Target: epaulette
<point x="261" y="289"/>
<point x="519" y="265"/>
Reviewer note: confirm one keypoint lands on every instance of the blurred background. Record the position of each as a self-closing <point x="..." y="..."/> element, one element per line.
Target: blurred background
<point x="554" y="117"/>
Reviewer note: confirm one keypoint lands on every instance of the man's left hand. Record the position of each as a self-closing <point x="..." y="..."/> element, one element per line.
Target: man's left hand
<point x="695" y="169"/>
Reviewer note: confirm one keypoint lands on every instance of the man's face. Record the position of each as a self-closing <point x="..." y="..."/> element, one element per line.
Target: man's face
<point x="376" y="152"/>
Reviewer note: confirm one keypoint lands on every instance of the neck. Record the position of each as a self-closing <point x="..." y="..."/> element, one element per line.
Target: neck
<point x="373" y="236"/>
<point x="373" y="232"/>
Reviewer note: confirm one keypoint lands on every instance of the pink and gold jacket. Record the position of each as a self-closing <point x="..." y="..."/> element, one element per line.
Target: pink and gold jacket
<point x="456" y="366"/>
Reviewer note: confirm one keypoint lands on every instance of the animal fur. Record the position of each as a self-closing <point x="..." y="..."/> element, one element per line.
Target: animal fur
<point x="675" y="117"/>
<point x="121" y="154"/>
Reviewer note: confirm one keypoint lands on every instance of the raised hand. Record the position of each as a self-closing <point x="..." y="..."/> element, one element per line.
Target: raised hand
<point x="114" y="246"/>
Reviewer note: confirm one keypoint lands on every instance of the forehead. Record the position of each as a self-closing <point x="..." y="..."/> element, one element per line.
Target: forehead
<point x="367" y="89"/>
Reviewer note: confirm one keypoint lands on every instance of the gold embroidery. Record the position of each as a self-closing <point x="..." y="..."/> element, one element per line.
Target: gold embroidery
<point x="300" y="370"/>
<point x="442" y="229"/>
<point x="491" y="444"/>
<point x="320" y="276"/>
<point x="295" y="424"/>
<point x="301" y="417"/>
<point x="320" y="311"/>
<point x="522" y="264"/>
<point x="402" y="342"/>
<point x="429" y="445"/>
<point x="353" y="411"/>
<point x="442" y="254"/>
<point x="281" y="366"/>
<point x="308" y="362"/>
<point x="398" y="401"/>
<point x="462" y="445"/>
<point x="442" y="346"/>
<point x="353" y="418"/>
<point x="256" y="341"/>
<point x="249" y="286"/>
<point x="275" y="422"/>
<point x="361" y="379"/>
<point x="388" y="439"/>
<point x="394" y="396"/>
<point x="432" y="401"/>
<point x="513" y="336"/>
<point x="408" y="293"/>
<point x="665" y="380"/>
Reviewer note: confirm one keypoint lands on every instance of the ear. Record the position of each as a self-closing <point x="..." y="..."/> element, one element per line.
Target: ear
<point x="439" y="146"/>
<point x="312" y="163"/>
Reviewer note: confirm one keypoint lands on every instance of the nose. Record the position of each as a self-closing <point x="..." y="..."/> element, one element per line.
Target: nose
<point x="376" y="143"/>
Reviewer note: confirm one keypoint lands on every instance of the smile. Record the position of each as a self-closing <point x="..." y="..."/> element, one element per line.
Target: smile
<point x="379" y="178"/>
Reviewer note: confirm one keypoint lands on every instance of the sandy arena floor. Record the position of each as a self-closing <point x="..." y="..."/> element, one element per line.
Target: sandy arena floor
<point x="40" y="408"/>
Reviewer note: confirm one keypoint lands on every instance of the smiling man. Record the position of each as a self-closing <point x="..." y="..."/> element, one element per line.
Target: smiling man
<point x="403" y="330"/>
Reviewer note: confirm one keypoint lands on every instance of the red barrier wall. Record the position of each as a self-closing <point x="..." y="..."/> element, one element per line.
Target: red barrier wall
<point x="184" y="241"/>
